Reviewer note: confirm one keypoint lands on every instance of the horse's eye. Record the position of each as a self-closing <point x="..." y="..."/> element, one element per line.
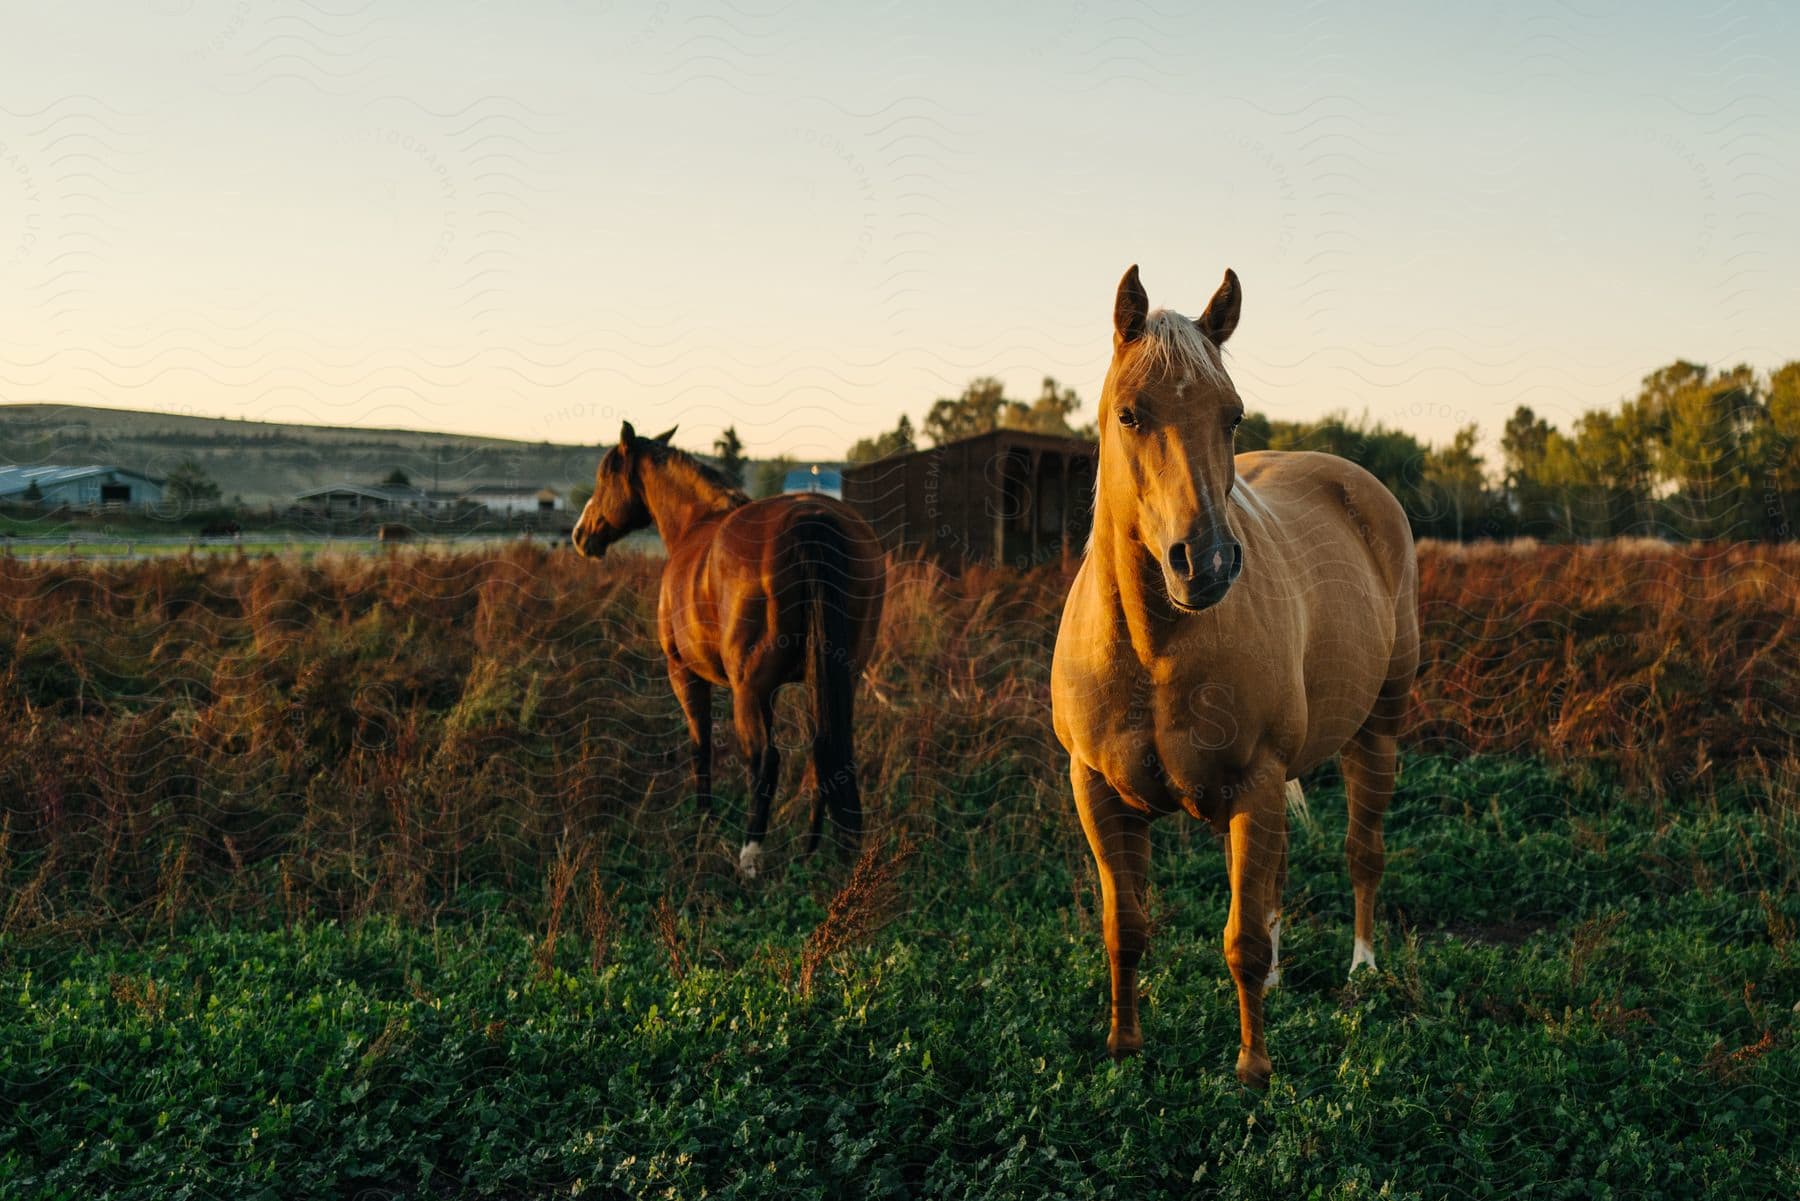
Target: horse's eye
<point x="1128" y="418"/>
<point x="1235" y="422"/>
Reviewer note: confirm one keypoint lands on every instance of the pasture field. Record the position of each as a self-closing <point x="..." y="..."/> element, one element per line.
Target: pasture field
<point x="375" y="877"/>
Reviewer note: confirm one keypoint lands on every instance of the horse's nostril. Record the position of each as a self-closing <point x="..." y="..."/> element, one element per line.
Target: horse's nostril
<point x="1179" y="562"/>
<point x="1237" y="559"/>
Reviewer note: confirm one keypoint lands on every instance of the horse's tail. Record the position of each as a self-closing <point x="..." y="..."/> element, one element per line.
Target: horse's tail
<point x="824" y="561"/>
<point x="1298" y="810"/>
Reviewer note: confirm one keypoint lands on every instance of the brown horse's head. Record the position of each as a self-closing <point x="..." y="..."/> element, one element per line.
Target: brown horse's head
<point x="617" y="506"/>
<point x="1167" y="415"/>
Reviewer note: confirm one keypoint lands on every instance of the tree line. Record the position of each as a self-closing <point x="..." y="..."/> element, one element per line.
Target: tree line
<point x="1696" y="454"/>
<point x="982" y="407"/>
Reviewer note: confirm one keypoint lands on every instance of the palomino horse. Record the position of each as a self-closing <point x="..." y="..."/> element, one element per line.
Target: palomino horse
<point x="1235" y="622"/>
<point x="756" y="594"/>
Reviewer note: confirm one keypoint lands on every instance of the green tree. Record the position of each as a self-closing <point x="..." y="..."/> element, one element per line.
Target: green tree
<point x="897" y="441"/>
<point x="1524" y="444"/>
<point x="1614" y="471"/>
<point x="1455" y="472"/>
<point x="189" y="485"/>
<point x="982" y="406"/>
<point x="1566" y="481"/>
<point x="1776" y="453"/>
<point x="1709" y="423"/>
<point x="1395" y="458"/>
<point x="397" y="479"/>
<point x="1663" y="387"/>
<point x="728" y="450"/>
<point x="1048" y="414"/>
<point x="771" y="474"/>
<point x="1783" y="406"/>
<point x="1253" y="433"/>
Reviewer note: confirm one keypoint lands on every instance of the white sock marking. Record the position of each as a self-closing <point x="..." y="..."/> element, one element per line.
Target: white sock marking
<point x="748" y="858"/>
<point x="1274" y="976"/>
<point x="1362" y="955"/>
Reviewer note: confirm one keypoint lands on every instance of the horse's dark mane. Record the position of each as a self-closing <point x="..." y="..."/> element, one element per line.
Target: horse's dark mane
<point x="664" y="455"/>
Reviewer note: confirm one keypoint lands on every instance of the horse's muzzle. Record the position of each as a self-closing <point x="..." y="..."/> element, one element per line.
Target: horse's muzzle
<point x="587" y="546"/>
<point x="1199" y="580"/>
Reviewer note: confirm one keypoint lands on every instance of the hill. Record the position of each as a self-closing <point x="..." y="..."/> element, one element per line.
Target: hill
<point x="261" y="461"/>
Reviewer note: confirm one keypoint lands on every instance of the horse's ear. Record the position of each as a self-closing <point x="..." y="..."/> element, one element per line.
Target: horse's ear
<point x="1221" y="315"/>
<point x="627" y="436"/>
<point x="1130" y="309"/>
<point x="666" y="434"/>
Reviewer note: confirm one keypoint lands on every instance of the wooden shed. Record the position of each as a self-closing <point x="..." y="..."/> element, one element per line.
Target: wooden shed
<point x="1007" y="497"/>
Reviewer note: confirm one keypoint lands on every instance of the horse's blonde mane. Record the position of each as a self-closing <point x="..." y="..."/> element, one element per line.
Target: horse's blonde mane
<point x="1173" y="343"/>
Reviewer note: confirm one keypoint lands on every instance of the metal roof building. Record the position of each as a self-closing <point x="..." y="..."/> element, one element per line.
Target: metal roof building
<point x="1006" y="496"/>
<point x="828" y="480"/>
<point x="363" y="498"/>
<point x="89" y="486"/>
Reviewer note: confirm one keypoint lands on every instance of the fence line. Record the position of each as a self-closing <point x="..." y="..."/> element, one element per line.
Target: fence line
<point x="104" y="547"/>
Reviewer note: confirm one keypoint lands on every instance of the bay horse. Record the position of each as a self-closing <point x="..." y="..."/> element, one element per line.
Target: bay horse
<point x="755" y="594"/>
<point x="1236" y="621"/>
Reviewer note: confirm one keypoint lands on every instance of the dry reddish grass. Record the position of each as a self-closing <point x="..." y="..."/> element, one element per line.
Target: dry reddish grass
<point x="1676" y="667"/>
<point x="383" y="731"/>
<point x="867" y="902"/>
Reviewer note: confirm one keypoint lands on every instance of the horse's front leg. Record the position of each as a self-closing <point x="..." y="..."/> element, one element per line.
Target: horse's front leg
<point x="695" y="695"/>
<point x="1120" y="838"/>
<point x="1258" y="867"/>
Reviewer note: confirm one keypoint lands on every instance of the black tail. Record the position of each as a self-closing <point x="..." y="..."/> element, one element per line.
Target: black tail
<point x="825" y="568"/>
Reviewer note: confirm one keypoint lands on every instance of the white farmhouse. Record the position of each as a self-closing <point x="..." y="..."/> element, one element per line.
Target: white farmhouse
<point x="514" y="498"/>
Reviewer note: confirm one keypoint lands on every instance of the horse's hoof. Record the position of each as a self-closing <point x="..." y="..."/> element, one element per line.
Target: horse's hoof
<point x="748" y="860"/>
<point x="1253" y="1070"/>
<point x="1122" y="1044"/>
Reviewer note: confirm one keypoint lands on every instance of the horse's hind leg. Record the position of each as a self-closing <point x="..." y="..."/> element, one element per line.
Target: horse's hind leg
<point x="834" y="779"/>
<point x="755" y="715"/>
<point x="695" y="695"/>
<point x="1368" y="762"/>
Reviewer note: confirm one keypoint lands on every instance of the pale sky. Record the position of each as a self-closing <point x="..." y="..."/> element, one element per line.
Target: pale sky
<point x="533" y="219"/>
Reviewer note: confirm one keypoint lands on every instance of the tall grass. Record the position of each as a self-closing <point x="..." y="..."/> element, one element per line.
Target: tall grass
<point x="364" y="734"/>
<point x="1674" y="668"/>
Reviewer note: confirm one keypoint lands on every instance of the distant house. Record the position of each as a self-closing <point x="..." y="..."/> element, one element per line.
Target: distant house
<point x="348" y="500"/>
<point x="80" y="486"/>
<point x="828" y="480"/>
<point x="513" y="498"/>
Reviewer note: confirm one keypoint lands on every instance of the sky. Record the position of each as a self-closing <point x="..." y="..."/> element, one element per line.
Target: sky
<point x="533" y="220"/>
